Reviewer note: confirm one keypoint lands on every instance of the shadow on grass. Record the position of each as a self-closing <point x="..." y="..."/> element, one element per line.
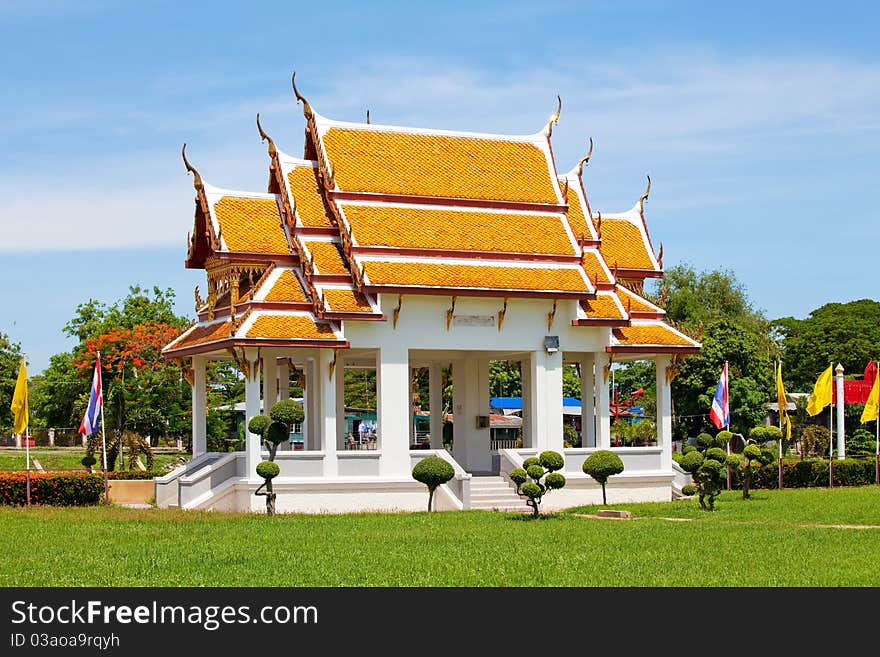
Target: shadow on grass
<point x="528" y="517"/>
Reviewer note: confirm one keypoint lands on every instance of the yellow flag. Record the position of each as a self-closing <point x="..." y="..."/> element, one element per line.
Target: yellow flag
<point x="19" y="405"/>
<point x="870" y="412"/>
<point x="782" y="402"/>
<point x="821" y="396"/>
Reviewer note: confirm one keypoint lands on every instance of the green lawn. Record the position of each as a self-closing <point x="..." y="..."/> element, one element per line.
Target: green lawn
<point x="65" y="459"/>
<point x="759" y="542"/>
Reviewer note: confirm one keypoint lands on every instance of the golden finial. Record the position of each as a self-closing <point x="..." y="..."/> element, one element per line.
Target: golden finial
<point x="554" y="119"/>
<point x="585" y="159"/>
<point x="660" y="256"/>
<point x="307" y="108"/>
<point x="644" y="197"/>
<point x="368" y="117"/>
<point x="599" y="227"/>
<point x="197" y="179"/>
<point x="265" y="137"/>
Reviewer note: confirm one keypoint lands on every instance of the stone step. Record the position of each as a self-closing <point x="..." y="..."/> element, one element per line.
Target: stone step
<point x="500" y="507"/>
<point x="502" y="490"/>
<point x="495" y="501"/>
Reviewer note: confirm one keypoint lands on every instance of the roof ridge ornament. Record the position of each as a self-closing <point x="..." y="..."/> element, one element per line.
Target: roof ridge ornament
<point x="197" y="179"/>
<point x="368" y="117"/>
<point x="554" y="118"/>
<point x="307" y="108"/>
<point x="644" y="197"/>
<point x="265" y="137"/>
<point x="585" y="159"/>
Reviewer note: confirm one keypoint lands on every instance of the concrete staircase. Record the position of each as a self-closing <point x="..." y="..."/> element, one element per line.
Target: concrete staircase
<point x="493" y="493"/>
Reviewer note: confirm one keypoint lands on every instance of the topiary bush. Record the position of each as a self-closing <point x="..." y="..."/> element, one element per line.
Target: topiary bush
<point x="691" y="461"/>
<point x="722" y="439"/>
<point x="268" y="469"/>
<point x="287" y="411"/>
<point x="544" y="478"/>
<point x="860" y="441"/>
<point x="687" y="449"/>
<point x="602" y="464"/>
<point x="273" y="430"/>
<point x="433" y="471"/>
<point x="88" y="462"/>
<point x="716" y="454"/>
<point x="689" y="489"/>
<point x="754" y="457"/>
<point x="705" y="441"/>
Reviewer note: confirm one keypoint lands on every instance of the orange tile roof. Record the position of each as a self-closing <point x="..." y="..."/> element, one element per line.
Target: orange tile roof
<point x="602" y="307"/>
<point x="636" y="303"/>
<point x="622" y="244"/>
<point x="306" y="191"/>
<point x="593" y="267"/>
<point x="650" y="334"/>
<point x="576" y="215"/>
<point x="251" y="224"/>
<point x="328" y="258"/>
<point x="474" y="276"/>
<point x="424" y="228"/>
<point x="202" y="334"/>
<point x="287" y="288"/>
<point x="290" y="327"/>
<point x="346" y="301"/>
<point x="438" y="165"/>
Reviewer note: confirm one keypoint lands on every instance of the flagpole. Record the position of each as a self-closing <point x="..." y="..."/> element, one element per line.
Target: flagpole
<point x="103" y="440"/>
<point x="27" y="453"/>
<point x="831" y="432"/>
<point x="727" y="426"/>
<point x="779" y="414"/>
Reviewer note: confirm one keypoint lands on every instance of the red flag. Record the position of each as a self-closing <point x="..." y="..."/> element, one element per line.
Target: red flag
<point x="870" y="372"/>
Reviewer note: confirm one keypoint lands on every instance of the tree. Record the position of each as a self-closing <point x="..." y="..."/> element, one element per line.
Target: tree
<point x="10" y="361"/>
<point x="433" y="471"/>
<point x="600" y="465"/>
<point x="846" y="333"/>
<point x="705" y="463"/>
<point x="544" y="478"/>
<point x="57" y="391"/>
<point x="274" y="429"/>
<point x="733" y="331"/>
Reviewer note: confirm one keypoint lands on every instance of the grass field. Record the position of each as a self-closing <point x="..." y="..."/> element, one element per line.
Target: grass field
<point x="761" y="542"/>
<point x="64" y="459"/>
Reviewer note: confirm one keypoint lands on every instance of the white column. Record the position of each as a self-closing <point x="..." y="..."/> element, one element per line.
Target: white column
<point x="528" y="404"/>
<point x="603" y="412"/>
<point x="841" y="450"/>
<point x="588" y="402"/>
<point x="549" y="375"/>
<point x="472" y="441"/>
<point x="393" y="409"/>
<point x="339" y="382"/>
<point x="435" y="399"/>
<point x="459" y="425"/>
<point x="664" y="412"/>
<point x="251" y="409"/>
<point x="284" y="379"/>
<point x="199" y="403"/>
<point x="270" y="382"/>
<point x="310" y="394"/>
<point x="325" y="421"/>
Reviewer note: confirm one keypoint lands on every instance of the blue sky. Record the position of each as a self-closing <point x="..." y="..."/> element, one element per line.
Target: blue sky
<point x="758" y="122"/>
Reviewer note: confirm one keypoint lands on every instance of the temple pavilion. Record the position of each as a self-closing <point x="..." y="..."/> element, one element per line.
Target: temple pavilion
<point x="392" y="249"/>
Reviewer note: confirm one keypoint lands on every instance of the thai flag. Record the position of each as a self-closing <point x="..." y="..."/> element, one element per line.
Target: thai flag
<point x="96" y="401"/>
<point x="720" y="413"/>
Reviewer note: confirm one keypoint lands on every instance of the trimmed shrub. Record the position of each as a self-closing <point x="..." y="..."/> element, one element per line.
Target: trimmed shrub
<point x="551" y="460"/>
<point x="752" y="453"/>
<point x="135" y="474"/>
<point x="51" y="488"/>
<point x="600" y="465"/>
<point x="691" y="461"/>
<point x="860" y="442"/>
<point x="259" y="424"/>
<point x="807" y="474"/>
<point x="268" y="469"/>
<point x="532" y="460"/>
<point x="433" y="471"/>
<point x="687" y="449"/>
<point x="277" y="433"/>
<point x="677" y="456"/>
<point x="716" y="454"/>
<point x="287" y="411"/>
<point x="532" y="491"/>
<point x="765" y="434"/>
<point x="689" y="490"/>
<point x="88" y="461"/>
<point x="555" y="481"/>
<point x="705" y="440"/>
<point x="722" y="439"/>
<point x="518" y="476"/>
<point x="535" y="471"/>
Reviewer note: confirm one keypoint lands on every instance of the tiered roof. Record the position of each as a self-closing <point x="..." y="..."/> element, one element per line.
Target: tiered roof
<point x="373" y="209"/>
